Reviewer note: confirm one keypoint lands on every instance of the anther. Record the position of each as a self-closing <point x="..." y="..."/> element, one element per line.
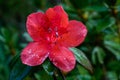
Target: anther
<point x="49" y="30"/>
<point x="56" y="34"/>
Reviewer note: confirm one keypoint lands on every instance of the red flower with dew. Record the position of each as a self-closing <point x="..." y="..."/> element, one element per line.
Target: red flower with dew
<point x="52" y="36"/>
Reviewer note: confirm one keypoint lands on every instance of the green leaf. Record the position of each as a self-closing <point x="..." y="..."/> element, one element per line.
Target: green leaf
<point x="116" y="53"/>
<point x="51" y="70"/>
<point x="43" y="75"/>
<point x="14" y="60"/>
<point x="48" y="67"/>
<point x="2" y="38"/>
<point x="97" y="8"/>
<point x="113" y="47"/>
<point x="27" y="36"/>
<point x="105" y="23"/>
<point x="113" y="44"/>
<point x="81" y="58"/>
<point x="58" y="75"/>
<point x="98" y="53"/>
<point x="19" y="70"/>
<point x="15" y="39"/>
<point x="111" y="75"/>
<point x="6" y="34"/>
<point x="79" y="3"/>
<point x="79" y="73"/>
<point x="112" y="65"/>
<point x="2" y="55"/>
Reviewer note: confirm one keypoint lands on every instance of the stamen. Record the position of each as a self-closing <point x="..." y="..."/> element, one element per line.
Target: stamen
<point x="56" y="29"/>
<point x="56" y="33"/>
<point x="49" y="30"/>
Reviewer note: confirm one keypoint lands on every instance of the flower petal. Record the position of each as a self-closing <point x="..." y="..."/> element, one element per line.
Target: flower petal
<point x="36" y="22"/>
<point x="34" y="54"/>
<point x="75" y="35"/>
<point x="57" y="17"/>
<point x="62" y="58"/>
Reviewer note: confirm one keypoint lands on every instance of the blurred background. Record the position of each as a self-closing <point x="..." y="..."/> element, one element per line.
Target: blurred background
<point x="101" y="46"/>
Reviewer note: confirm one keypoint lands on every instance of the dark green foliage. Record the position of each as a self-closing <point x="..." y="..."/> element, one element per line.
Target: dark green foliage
<point x="101" y="46"/>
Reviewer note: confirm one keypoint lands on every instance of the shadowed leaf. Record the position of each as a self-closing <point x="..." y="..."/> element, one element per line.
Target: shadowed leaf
<point x="19" y="71"/>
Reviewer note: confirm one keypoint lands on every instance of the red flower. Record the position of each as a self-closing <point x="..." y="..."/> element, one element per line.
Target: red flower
<point x="53" y="34"/>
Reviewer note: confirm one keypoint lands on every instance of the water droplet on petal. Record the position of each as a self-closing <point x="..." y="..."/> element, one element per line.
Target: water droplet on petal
<point x="84" y="32"/>
<point x="64" y="58"/>
<point x="56" y="33"/>
<point x="53" y="60"/>
<point x="49" y="30"/>
<point x="55" y="63"/>
<point x="56" y="29"/>
<point x="29" y="51"/>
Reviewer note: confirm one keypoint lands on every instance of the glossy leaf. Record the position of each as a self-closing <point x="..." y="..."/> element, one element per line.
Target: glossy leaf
<point x="81" y="58"/>
<point x="48" y="67"/>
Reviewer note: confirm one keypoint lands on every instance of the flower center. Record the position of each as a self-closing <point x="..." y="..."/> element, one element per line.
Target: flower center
<point x="53" y="35"/>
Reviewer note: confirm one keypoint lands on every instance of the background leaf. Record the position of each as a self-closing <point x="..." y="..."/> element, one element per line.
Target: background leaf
<point x="113" y="47"/>
<point x="98" y="53"/>
<point x="19" y="71"/>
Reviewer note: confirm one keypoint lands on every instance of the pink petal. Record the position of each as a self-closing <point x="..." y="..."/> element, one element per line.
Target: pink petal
<point x="57" y="17"/>
<point x="75" y="35"/>
<point x="62" y="58"/>
<point x="34" y="54"/>
<point x="36" y="22"/>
